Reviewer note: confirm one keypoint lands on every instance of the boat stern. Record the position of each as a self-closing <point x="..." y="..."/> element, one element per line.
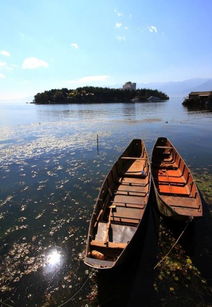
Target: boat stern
<point x="99" y="263"/>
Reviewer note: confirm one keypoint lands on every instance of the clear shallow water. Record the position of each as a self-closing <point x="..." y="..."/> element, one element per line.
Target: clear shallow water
<point x="51" y="171"/>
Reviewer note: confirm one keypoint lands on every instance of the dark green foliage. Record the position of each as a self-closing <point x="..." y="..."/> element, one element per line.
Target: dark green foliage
<point x="198" y="101"/>
<point x="91" y="94"/>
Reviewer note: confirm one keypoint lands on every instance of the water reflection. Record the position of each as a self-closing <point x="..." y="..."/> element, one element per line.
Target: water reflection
<point x="75" y="112"/>
<point x="129" y="110"/>
<point x="199" y="108"/>
<point x="96" y="112"/>
<point x="53" y="261"/>
<point x="53" y="258"/>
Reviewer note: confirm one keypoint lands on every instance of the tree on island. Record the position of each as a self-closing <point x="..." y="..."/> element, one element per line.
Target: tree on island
<point x="89" y="94"/>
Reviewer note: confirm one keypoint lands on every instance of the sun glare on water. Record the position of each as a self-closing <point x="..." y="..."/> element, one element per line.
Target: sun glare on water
<point x="53" y="261"/>
<point x="54" y="258"/>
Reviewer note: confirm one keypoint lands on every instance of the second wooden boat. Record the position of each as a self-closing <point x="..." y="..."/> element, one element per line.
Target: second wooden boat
<point x="120" y="208"/>
<point x="176" y="191"/>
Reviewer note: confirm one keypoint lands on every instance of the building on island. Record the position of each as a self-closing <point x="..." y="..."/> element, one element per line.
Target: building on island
<point x="198" y="99"/>
<point x="129" y="86"/>
<point x="154" y="99"/>
<point x="203" y="95"/>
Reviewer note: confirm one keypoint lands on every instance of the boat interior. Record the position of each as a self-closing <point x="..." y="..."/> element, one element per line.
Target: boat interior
<point x="121" y="203"/>
<point x="173" y="179"/>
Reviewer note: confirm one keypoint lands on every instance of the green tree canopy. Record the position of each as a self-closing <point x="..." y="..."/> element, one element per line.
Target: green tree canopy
<point x="89" y="94"/>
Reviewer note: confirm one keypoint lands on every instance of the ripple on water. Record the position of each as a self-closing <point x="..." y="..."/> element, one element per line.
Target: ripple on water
<point x="49" y="186"/>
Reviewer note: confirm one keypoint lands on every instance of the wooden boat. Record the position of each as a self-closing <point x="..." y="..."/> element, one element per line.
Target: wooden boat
<point x="119" y="208"/>
<point x="176" y="192"/>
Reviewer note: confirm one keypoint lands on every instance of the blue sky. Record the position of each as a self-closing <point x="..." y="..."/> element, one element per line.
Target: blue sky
<point x="64" y="43"/>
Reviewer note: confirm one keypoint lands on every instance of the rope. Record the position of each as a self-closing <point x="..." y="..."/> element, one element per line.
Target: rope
<point x="80" y="288"/>
<point x="5" y="304"/>
<point x="175" y="243"/>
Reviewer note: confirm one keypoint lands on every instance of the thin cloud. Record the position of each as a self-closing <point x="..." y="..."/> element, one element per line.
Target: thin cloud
<point x="91" y="79"/>
<point x="121" y="38"/>
<point x="33" y="63"/>
<point x="6" y="66"/>
<point x="5" y="53"/>
<point x="118" y="25"/>
<point x="88" y="79"/>
<point x="75" y="45"/>
<point x="119" y="14"/>
<point x="3" y="64"/>
<point x="152" y="29"/>
<point x="95" y="78"/>
<point x="2" y="76"/>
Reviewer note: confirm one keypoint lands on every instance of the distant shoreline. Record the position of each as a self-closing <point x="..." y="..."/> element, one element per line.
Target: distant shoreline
<point x="198" y="99"/>
<point x="86" y="95"/>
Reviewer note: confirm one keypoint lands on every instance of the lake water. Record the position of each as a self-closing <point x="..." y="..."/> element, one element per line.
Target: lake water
<point x="50" y="173"/>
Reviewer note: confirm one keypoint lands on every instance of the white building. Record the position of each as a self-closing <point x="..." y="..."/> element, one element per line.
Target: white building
<point x="129" y="86"/>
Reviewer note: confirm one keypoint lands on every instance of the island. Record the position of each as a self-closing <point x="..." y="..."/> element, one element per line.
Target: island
<point x="198" y="99"/>
<point x="89" y="94"/>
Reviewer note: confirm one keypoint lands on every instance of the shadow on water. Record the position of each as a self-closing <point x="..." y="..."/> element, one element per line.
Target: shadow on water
<point x="190" y="263"/>
<point x="197" y="241"/>
<point x="132" y="282"/>
<point x="198" y="244"/>
<point x="200" y="108"/>
<point x="184" y="278"/>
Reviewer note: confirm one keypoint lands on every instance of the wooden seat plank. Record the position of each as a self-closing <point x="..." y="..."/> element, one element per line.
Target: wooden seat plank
<point x="170" y="189"/>
<point x="132" y="188"/>
<point x="132" y="158"/>
<point x="127" y="205"/>
<point x="108" y="244"/>
<point x="126" y="212"/>
<point x="134" y="181"/>
<point x="185" y="202"/>
<point x="125" y="221"/>
<point x="129" y="199"/>
<point x="167" y="179"/>
<point x="136" y="168"/>
<point x="168" y="172"/>
<point x="164" y="147"/>
<point x="129" y="193"/>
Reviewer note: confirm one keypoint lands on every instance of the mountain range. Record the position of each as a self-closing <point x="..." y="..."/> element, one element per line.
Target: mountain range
<point x="179" y="88"/>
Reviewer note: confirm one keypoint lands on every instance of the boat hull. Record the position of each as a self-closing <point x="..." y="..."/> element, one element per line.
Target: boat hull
<point x="176" y="192"/>
<point x="166" y="211"/>
<point x="119" y="211"/>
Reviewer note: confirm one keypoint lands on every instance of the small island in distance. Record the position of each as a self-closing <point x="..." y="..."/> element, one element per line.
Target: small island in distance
<point x="90" y="94"/>
<point x="199" y="99"/>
